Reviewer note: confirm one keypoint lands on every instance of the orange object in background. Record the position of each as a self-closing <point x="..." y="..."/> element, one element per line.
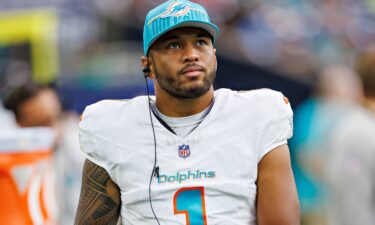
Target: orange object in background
<point x="26" y="180"/>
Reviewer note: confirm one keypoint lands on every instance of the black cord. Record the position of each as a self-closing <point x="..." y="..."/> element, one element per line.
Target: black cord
<point x="155" y="169"/>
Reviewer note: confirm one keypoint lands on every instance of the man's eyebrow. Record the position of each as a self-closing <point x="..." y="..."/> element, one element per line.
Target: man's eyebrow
<point x="175" y="37"/>
<point x="168" y="38"/>
<point x="204" y="35"/>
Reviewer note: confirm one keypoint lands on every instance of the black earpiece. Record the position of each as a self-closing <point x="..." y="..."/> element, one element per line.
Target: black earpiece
<point x="146" y="71"/>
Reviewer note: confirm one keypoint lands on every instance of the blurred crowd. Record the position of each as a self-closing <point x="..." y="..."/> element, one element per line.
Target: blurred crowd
<point x="294" y="37"/>
<point x="326" y="44"/>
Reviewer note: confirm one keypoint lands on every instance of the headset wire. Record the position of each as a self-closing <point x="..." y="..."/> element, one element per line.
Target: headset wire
<point x="155" y="169"/>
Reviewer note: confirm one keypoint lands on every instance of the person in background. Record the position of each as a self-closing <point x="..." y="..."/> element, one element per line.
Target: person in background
<point x="337" y="90"/>
<point x="37" y="105"/>
<point x="34" y="105"/>
<point x="350" y="167"/>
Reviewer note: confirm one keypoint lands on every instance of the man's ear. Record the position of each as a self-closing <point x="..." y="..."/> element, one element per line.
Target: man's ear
<point x="146" y="66"/>
<point x="215" y="59"/>
<point x="144" y="61"/>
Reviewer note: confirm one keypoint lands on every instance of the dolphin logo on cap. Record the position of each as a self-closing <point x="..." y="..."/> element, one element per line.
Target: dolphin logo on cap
<point x="175" y="9"/>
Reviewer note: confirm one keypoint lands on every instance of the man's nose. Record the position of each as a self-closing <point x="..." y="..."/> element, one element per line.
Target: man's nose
<point x="190" y="54"/>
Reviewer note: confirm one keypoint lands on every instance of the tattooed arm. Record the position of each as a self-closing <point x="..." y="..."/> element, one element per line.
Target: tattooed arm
<point x="99" y="203"/>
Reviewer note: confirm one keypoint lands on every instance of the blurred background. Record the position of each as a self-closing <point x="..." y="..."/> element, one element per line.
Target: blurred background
<point x="60" y="55"/>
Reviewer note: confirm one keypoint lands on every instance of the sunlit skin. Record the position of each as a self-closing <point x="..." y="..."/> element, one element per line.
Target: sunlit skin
<point x="183" y="66"/>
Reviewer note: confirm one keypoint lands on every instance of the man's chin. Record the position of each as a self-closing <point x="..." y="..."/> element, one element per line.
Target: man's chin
<point x="195" y="91"/>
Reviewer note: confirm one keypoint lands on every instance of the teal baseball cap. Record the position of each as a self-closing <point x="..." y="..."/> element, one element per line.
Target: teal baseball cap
<point x="174" y="14"/>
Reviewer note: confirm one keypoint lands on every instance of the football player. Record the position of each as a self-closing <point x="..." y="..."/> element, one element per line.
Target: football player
<point x="189" y="154"/>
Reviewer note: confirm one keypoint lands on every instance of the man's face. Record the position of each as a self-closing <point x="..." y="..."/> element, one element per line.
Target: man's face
<point x="183" y="63"/>
<point x="41" y="110"/>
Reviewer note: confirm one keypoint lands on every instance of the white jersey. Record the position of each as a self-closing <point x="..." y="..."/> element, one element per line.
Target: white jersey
<point x="208" y="177"/>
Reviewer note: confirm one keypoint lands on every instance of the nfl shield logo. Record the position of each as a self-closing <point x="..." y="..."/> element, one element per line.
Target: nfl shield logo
<point x="184" y="151"/>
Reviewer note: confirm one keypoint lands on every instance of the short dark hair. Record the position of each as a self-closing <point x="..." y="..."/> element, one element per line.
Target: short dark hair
<point x="365" y="66"/>
<point x="20" y="95"/>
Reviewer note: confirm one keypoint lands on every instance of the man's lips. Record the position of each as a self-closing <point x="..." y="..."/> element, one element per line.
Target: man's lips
<point x="192" y="70"/>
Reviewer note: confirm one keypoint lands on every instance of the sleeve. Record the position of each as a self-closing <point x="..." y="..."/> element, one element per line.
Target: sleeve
<point x="93" y="143"/>
<point x="277" y="125"/>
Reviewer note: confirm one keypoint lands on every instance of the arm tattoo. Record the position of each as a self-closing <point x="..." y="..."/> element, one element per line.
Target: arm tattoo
<point x="99" y="202"/>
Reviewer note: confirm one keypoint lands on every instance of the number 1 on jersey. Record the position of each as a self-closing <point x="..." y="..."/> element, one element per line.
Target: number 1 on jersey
<point x="190" y="201"/>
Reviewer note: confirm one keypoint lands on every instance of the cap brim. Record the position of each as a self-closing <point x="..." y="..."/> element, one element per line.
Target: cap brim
<point x="211" y="28"/>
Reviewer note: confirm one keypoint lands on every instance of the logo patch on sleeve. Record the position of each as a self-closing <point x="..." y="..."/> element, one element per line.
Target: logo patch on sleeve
<point x="286" y="100"/>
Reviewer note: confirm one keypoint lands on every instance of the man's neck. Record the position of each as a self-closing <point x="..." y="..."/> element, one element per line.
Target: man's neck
<point x="370" y="104"/>
<point x="182" y="107"/>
